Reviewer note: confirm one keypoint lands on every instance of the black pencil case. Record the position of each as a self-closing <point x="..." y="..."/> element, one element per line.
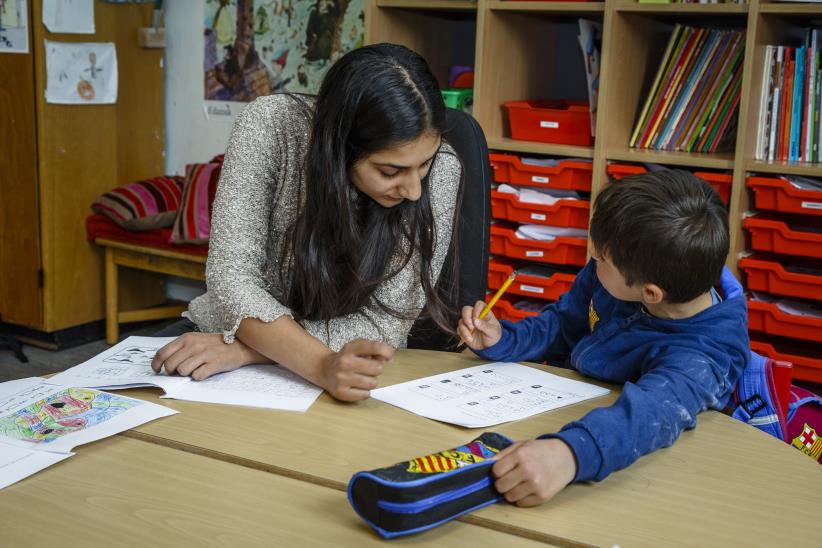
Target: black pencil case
<point x="424" y="492"/>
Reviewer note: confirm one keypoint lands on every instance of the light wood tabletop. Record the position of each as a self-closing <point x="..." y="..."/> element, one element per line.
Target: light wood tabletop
<point x="124" y="492"/>
<point x="723" y="483"/>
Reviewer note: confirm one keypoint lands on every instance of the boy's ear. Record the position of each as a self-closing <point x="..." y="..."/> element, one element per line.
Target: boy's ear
<point x="652" y="294"/>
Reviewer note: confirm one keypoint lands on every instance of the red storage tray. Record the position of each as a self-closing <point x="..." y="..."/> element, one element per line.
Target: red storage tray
<point x="805" y="357"/>
<point x="568" y="175"/>
<point x="529" y="286"/>
<point x="505" y="310"/>
<point x="720" y="182"/>
<point x="767" y="317"/>
<point x="770" y="233"/>
<point x="570" y="213"/>
<point x="562" y="122"/>
<point x="780" y="195"/>
<point x="767" y="275"/>
<point x="561" y="250"/>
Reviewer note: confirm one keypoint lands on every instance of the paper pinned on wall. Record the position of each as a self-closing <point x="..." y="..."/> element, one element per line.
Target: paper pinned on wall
<point x="81" y="73"/>
<point x="69" y="16"/>
<point x="14" y="26"/>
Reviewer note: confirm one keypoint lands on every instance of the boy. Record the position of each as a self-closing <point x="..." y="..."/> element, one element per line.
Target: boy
<point x="643" y="313"/>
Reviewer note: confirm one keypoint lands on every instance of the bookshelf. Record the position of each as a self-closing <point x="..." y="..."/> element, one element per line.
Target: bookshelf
<point x="518" y="45"/>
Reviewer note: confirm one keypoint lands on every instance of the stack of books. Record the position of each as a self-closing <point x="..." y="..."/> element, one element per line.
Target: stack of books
<point x="693" y="103"/>
<point x="789" y="128"/>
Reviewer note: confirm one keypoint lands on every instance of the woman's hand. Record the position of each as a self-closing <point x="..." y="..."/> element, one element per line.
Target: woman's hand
<point x="478" y="334"/>
<point x="351" y="373"/>
<point x="201" y="355"/>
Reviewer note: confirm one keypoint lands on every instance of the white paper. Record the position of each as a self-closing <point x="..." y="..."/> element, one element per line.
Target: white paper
<point x="128" y="365"/>
<point x="791" y="306"/>
<point x="486" y="395"/>
<point x="41" y="422"/>
<point x="14" y="27"/>
<point x="17" y="463"/>
<point x="81" y="73"/>
<point x="547" y="233"/>
<point x="69" y="16"/>
<point x="537" y="195"/>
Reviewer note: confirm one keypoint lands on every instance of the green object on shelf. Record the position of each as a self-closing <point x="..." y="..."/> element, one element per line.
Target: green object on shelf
<point x="461" y="99"/>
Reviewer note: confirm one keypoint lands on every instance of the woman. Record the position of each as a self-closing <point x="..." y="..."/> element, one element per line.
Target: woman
<point x="330" y="227"/>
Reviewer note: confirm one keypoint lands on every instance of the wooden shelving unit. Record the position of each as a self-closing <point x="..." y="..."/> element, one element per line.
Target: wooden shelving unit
<point x="519" y="47"/>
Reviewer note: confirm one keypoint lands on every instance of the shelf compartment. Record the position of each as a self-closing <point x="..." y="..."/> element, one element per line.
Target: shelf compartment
<point x="720" y="182"/>
<point x="505" y="309"/>
<point x="567" y="175"/>
<point x="766" y="274"/>
<point x="439" y="5"/>
<point x="777" y="194"/>
<point x="805" y="357"/>
<point x="579" y="7"/>
<point x="550" y="288"/>
<point x="561" y="250"/>
<point x="683" y="9"/>
<point x="570" y="213"/>
<point x="768" y="318"/>
<point x="770" y="232"/>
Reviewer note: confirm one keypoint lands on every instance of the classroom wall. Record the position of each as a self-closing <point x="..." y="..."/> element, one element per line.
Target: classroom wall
<point x="190" y="136"/>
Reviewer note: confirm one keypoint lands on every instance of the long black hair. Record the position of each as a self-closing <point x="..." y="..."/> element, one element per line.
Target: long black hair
<point x="343" y="243"/>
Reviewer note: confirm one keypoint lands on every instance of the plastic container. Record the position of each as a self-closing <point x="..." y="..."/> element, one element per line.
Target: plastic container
<point x="461" y="99"/>
<point x="720" y="182"/>
<point x="764" y="273"/>
<point x="566" y="175"/>
<point x="570" y="213"/>
<point x="779" y="195"/>
<point x="528" y="286"/>
<point x="768" y="318"/>
<point x="769" y="232"/>
<point x="561" y="250"/>
<point x="560" y="122"/>
<point x="505" y="309"/>
<point x="805" y="357"/>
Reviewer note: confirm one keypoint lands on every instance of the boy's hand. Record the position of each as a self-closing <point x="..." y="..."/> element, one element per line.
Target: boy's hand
<point x="532" y="472"/>
<point x="478" y="334"/>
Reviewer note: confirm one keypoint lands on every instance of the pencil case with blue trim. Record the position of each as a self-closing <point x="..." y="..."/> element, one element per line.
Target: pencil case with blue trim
<point x="424" y="492"/>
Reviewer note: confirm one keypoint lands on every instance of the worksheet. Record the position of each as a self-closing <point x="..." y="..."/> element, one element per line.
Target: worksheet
<point x="41" y="422"/>
<point x="487" y="395"/>
<point x="128" y="365"/>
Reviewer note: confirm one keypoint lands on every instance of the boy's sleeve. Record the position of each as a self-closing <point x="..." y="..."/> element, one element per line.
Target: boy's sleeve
<point x="553" y="333"/>
<point x="651" y="413"/>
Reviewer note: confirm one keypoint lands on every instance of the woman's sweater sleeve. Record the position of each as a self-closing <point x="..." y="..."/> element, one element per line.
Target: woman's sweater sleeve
<point x="235" y="271"/>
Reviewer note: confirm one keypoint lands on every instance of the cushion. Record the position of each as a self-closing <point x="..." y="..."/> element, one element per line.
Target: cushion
<point x="193" y="222"/>
<point x="100" y="226"/>
<point x="144" y="205"/>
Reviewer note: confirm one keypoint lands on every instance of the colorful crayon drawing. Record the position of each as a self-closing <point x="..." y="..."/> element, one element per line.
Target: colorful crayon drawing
<point x="62" y="413"/>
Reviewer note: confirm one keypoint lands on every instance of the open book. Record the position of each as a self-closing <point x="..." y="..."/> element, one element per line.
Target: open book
<point x="128" y="365"/>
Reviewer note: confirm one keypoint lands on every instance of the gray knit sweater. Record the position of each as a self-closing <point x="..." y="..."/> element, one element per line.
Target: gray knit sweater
<point x="256" y="204"/>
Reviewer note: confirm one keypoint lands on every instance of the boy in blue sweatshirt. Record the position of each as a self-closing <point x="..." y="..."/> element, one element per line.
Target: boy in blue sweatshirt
<point x="654" y="310"/>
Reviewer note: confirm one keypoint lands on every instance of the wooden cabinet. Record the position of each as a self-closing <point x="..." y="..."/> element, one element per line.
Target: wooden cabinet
<point x="56" y="159"/>
<point x="518" y="47"/>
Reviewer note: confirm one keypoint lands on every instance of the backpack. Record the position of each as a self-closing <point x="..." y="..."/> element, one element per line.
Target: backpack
<point x="765" y="399"/>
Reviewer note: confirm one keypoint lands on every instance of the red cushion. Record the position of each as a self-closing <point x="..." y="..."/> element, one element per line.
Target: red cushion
<point x="100" y="226"/>
<point x="193" y="222"/>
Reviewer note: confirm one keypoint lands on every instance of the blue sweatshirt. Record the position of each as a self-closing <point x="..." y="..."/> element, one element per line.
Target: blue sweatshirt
<point x="671" y="369"/>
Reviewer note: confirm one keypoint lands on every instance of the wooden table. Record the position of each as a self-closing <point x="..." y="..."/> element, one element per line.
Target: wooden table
<point x="124" y="492"/>
<point x="722" y="484"/>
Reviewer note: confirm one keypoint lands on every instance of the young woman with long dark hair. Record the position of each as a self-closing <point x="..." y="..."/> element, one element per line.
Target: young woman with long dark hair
<point x="332" y="221"/>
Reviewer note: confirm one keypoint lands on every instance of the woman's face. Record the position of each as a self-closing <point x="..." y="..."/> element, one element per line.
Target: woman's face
<point x="395" y="174"/>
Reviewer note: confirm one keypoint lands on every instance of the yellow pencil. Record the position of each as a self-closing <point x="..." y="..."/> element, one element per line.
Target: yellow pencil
<point x="496" y="297"/>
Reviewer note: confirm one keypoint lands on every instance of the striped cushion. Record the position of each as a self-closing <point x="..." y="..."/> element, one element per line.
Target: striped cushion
<point x="193" y="222"/>
<point x="144" y="205"/>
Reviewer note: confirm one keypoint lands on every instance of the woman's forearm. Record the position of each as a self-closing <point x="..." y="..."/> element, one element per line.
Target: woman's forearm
<point x="285" y="342"/>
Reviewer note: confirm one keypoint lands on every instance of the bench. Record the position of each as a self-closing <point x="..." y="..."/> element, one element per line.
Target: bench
<point x="146" y="258"/>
